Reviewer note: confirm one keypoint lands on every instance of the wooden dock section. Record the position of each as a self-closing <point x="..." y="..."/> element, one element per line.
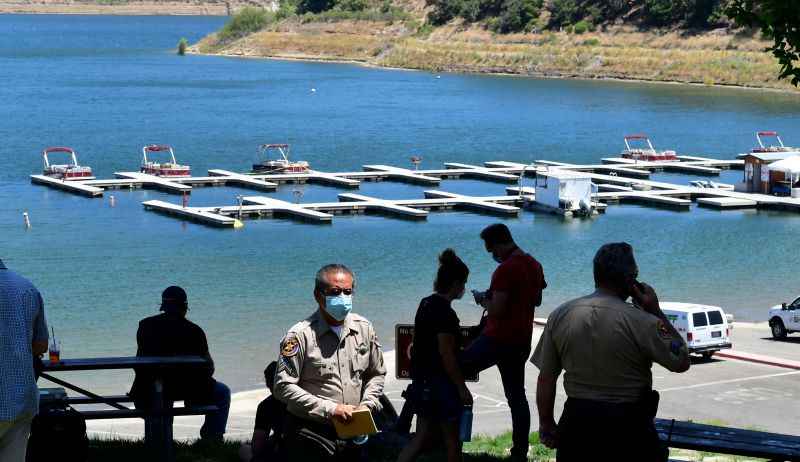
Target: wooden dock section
<point x="344" y="180"/>
<point x="75" y="187"/>
<point x="727" y="203"/>
<point x="144" y="180"/>
<point x="244" y="181"/>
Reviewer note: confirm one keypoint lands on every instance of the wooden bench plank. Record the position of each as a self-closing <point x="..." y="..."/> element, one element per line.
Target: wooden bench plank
<point x="689" y="435"/>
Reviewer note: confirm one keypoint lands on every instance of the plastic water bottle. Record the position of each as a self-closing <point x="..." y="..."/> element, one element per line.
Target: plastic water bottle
<point x="465" y="427"/>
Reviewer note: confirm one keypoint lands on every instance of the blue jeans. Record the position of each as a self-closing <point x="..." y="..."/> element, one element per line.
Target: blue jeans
<point x="216" y="422"/>
<point x="214" y="425"/>
<point x="510" y="360"/>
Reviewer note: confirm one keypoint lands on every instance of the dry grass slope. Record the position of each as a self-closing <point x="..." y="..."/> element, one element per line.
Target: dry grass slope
<point x="711" y="59"/>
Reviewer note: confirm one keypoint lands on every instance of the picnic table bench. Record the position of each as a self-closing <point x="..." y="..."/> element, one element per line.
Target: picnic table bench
<point x="699" y="437"/>
<point x="158" y="417"/>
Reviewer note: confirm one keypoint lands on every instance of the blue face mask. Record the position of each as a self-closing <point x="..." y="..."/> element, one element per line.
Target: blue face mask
<point x="338" y="306"/>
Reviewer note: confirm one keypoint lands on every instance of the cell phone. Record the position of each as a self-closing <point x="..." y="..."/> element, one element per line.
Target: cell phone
<point x="477" y="295"/>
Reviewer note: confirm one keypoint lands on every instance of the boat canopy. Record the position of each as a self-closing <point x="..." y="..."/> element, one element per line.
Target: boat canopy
<point x="638" y="136"/>
<point x="158" y="147"/>
<point x="63" y="149"/>
<point x="768" y="133"/>
<point x="59" y="149"/>
<point x="274" y="146"/>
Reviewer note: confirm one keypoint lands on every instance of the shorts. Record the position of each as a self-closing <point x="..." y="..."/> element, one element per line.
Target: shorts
<point x="437" y="399"/>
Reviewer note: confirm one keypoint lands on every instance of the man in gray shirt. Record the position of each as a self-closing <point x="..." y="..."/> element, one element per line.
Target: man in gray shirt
<point x="23" y="336"/>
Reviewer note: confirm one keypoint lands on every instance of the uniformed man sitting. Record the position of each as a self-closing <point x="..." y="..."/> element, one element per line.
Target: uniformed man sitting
<point x="329" y="365"/>
<point x="606" y="348"/>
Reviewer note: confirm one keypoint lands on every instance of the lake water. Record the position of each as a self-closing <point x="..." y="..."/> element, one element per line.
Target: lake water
<point x="108" y="85"/>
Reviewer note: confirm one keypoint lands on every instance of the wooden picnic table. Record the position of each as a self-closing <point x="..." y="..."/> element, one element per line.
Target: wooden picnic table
<point x="158" y="418"/>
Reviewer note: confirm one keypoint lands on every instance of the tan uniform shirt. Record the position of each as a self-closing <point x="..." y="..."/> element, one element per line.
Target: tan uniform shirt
<point x="317" y="370"/>
<point x="606" y="348"/>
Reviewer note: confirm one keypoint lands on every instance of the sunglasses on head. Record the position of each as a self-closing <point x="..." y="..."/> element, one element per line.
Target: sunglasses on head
<point x="337" y="291"/>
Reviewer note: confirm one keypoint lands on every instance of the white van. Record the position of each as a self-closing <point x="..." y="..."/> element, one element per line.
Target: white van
<point x="705" y="328"/>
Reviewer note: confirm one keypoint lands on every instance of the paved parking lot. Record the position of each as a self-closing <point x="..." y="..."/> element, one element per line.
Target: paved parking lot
<point x="722" y="391"/>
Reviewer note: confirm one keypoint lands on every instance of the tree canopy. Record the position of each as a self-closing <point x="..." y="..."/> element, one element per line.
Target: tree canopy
<point x="780" y="21"/>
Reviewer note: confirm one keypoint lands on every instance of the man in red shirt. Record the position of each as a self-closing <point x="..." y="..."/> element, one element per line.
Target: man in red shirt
<point x="505" y="340"/>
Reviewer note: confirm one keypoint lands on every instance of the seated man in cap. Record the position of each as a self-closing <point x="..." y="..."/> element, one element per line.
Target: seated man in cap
<point x="171" y="334"/>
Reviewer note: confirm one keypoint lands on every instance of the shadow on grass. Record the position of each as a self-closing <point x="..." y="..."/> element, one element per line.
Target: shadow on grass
<point x="481" y="449"/>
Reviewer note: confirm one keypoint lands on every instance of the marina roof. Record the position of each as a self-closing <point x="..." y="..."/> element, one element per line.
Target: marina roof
<point x="564" y="175"/>
<point x="773" y="156"/>
<point x="789" y="165"/>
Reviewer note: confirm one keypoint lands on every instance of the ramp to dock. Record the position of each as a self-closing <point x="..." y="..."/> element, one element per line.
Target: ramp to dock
<point x="198" y="214"/>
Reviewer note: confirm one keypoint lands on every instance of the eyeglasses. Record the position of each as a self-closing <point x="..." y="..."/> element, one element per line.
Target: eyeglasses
<point x="333" y="291"/>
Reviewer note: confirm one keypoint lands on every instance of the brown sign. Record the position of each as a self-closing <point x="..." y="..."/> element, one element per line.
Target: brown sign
<point x="404" y="341"/>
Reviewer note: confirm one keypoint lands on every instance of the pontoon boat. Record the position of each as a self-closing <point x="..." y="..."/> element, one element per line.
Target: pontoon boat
<point x="66" y="172"/>
<point x="280" y="164"/>
<point x="646" y="154"/>
<point x="169" y="169"/>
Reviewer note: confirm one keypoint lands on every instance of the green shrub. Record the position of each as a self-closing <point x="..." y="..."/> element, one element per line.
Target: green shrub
<point x="182" y="45"/>
<point x="286" y="10"/>
<point x="351" y="5"/>
<point x="581" y="27"/>
<point x="592" y="42"/>
<point x="248" y="20"/>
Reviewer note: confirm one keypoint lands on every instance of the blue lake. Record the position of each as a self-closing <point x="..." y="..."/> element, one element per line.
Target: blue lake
<point x="108" y="85"/>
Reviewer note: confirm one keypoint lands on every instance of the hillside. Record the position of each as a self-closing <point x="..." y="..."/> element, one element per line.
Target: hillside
<point x="404" y="37"/>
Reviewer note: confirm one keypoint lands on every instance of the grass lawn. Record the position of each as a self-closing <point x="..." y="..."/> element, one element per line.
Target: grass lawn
<point x="481" y="449"/>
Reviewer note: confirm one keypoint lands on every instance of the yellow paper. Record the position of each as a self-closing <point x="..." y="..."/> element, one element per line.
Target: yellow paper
<point x="360" y="424"/>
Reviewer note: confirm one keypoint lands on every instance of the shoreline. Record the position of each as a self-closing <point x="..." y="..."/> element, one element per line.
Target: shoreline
<point x="536" y="75"/>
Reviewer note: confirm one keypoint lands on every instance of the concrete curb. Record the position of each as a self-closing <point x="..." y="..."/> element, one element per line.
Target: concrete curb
<point x="759" y="359"/>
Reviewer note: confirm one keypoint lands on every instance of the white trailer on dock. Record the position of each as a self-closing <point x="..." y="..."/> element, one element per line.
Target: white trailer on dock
<point x="565" y="193"/>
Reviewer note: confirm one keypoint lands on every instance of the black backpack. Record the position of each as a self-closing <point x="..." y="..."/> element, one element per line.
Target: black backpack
<point x="58" y="433"/>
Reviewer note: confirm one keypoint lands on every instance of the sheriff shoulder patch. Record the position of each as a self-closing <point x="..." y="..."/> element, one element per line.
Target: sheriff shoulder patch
<point x="289" y="347"/>
<point x="663" y="332"/>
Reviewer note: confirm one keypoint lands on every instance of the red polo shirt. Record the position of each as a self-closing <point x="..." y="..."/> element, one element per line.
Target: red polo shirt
<point x="522" y="278"/>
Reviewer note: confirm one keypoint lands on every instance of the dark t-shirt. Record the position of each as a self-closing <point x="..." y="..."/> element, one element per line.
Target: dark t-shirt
<point x="434" y="316"/>
<point x="270" y="415"/>
<point x="522" y="278"/>
<point x="173" y="335"/>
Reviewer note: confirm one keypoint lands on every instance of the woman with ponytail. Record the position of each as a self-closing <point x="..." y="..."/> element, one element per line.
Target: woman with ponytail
<point x="439" y="392"/>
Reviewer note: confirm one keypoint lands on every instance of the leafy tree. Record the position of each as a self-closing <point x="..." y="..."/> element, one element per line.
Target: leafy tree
<point x="314" y="6"/>
<point x="518" y="15"/>
<point x="780" y="21"/>
<point x="563" y="12"/>
<point x="443" y="11"/>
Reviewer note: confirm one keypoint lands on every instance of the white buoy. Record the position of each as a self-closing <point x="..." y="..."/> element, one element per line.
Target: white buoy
<point x="438" y="76"/>
<point x="313" y="90"/>
<point x="27" y="220"/>
<point x="112" y="201"/>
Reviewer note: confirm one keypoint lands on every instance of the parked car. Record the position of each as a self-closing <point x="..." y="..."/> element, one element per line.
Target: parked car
<point x="705" y="328"/>
<point x="784" y="319"/>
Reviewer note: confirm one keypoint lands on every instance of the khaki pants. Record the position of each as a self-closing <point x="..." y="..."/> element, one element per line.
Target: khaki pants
<point x="14" y="439"/>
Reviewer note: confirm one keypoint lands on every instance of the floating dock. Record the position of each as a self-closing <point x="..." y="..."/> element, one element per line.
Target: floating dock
<point x="618" y="181"/>
<point x="353" y="204"/>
